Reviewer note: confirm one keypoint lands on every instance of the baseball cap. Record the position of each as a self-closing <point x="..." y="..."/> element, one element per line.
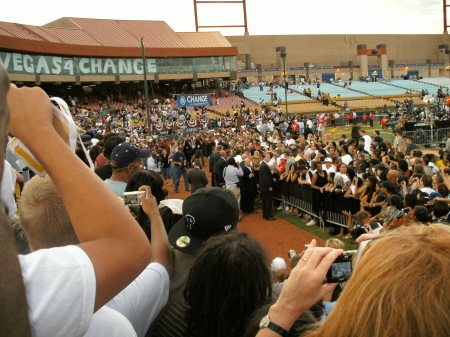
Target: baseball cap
<point x="278" y="263"/>
<point x="434" y="195"/>
<point x="86" y="139"/>
<point x="279" y="150"/>
<point x="328" y="160"/>
<point x="207" y="212"/>
<point x="125" y="153"/>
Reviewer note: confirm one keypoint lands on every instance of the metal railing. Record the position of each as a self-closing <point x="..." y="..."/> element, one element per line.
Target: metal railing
<point x="423" y="137"/>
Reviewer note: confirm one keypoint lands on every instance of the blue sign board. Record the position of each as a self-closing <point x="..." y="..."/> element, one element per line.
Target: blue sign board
<point x="193" y="100"/>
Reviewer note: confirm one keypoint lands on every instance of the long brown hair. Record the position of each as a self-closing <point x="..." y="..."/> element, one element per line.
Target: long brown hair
<point x="400" y="288"/>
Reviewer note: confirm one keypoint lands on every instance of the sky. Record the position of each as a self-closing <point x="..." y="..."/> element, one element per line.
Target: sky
<point x="264" y="17"/>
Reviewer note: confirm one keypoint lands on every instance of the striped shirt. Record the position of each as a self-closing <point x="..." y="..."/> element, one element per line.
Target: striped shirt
<point x="172" y="322"/>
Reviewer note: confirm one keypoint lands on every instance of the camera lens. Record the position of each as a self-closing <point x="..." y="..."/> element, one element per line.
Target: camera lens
<point x="292" y="253"/>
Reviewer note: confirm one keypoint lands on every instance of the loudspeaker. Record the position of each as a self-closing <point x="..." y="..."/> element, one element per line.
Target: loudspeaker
<point x="355" y="132"/>
<point x="442" y="124"/>
<point x="421" y="126"/>
<point x="409" y="126"/>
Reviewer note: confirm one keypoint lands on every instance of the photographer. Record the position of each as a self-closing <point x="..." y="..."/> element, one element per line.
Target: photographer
<point x="231" y="175"/>
<point x="405" y="291"/>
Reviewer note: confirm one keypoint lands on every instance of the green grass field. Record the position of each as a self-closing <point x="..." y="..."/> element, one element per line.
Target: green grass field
<point x="315" y="230"/>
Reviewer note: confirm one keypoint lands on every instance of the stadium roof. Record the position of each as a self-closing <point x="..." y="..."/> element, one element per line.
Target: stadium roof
<point x="112" y="38"/>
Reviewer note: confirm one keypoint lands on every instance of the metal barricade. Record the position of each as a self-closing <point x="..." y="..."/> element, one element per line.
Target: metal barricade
<point x="430" y="137"/>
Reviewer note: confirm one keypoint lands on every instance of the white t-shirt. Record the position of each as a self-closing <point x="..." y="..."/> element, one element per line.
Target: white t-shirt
<point x="434" y="168"/>
<point x="288" y="142"/>
<point x="107" y="322"/>
<point x="144" y="298"/>
<point x="332" y="168"/>
<point x="60" y="288"/>
<point x="427" y="190"/>
<point x="367" y="142"/>
<point x="346" y="159"/>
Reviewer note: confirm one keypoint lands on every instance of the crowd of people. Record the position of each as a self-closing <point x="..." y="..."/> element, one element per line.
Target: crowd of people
<point x="97" y="267"/>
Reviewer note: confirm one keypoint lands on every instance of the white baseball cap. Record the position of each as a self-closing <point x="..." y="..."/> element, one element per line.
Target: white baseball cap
<point x="278" y="263"/>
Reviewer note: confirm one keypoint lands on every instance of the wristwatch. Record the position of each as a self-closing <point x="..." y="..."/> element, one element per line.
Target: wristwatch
<point x="266" y="323"/>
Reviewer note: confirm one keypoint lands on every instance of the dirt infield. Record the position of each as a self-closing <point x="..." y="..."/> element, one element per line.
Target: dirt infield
<point x="278" y="237"/>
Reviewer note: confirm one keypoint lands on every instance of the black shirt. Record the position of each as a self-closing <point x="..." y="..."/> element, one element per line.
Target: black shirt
<point x="104" y="172"/>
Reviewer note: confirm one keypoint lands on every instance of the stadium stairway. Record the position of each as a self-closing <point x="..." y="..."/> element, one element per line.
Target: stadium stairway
<point x="430" y="83"/>
<point x="398" y="86"/>
<point x="355" y="90"/>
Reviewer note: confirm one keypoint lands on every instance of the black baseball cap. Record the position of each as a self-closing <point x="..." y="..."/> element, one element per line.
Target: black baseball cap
<point x="207" y="212"/>
<point x="125" y="153"/>
<point x="86" y="139"/>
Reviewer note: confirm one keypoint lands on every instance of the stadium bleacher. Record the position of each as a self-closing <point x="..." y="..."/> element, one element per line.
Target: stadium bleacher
<point x="439" y="81"/>
<point x="374" y="88"/>
<point x="333" y="90"/>
<point x="360" y="96"/>
<point x="415" y="85"/>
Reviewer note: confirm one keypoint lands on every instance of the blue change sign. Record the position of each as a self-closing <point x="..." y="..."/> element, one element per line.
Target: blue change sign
<point x="193" y="100"/>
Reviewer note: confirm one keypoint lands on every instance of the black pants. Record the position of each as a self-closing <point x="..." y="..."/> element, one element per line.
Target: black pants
<point x="371" y="122"/>
<point x="267" y="204"/>
<point x="248" y="201"/>
<point x="214" y="180"/>
<point x="199" y="155"/>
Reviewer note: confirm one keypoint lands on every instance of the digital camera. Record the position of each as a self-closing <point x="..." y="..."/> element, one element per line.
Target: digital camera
<point x="133" y="198"/>
<point x="341" y="269"/>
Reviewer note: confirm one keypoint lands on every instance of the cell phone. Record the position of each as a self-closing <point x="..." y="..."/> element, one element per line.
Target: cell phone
<point x="341" y="269"/>
<point x="132" y="198"/>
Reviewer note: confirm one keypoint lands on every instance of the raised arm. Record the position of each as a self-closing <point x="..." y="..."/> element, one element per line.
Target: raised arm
<point x="161" y="249"/>
<point x="13" y="303"/>
<point x="114" y="242"/>
<point x="303" y="288"/>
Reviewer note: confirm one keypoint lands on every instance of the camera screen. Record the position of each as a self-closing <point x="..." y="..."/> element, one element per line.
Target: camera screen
<point x="341" y="269"/>
<point x="131" y="200"/>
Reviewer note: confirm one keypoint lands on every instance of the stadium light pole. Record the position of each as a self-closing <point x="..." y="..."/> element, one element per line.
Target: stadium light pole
<point x="282" y="50"/>
<point x="147" y="105"/>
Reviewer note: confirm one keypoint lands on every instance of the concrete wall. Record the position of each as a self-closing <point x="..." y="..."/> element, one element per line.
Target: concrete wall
<point x="331" y="50"/>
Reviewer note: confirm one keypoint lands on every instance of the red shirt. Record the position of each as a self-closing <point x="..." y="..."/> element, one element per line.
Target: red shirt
<point x="282" y="166"/>
<point x="384" y="120"/>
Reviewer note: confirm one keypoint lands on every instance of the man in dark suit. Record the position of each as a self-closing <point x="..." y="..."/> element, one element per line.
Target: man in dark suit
<point x="220" y="165"/>
<point x="248" y="188"/>
<point x="196" y="177"/>
<point x="215" y="155"/>
<point x="266" y="187"/>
